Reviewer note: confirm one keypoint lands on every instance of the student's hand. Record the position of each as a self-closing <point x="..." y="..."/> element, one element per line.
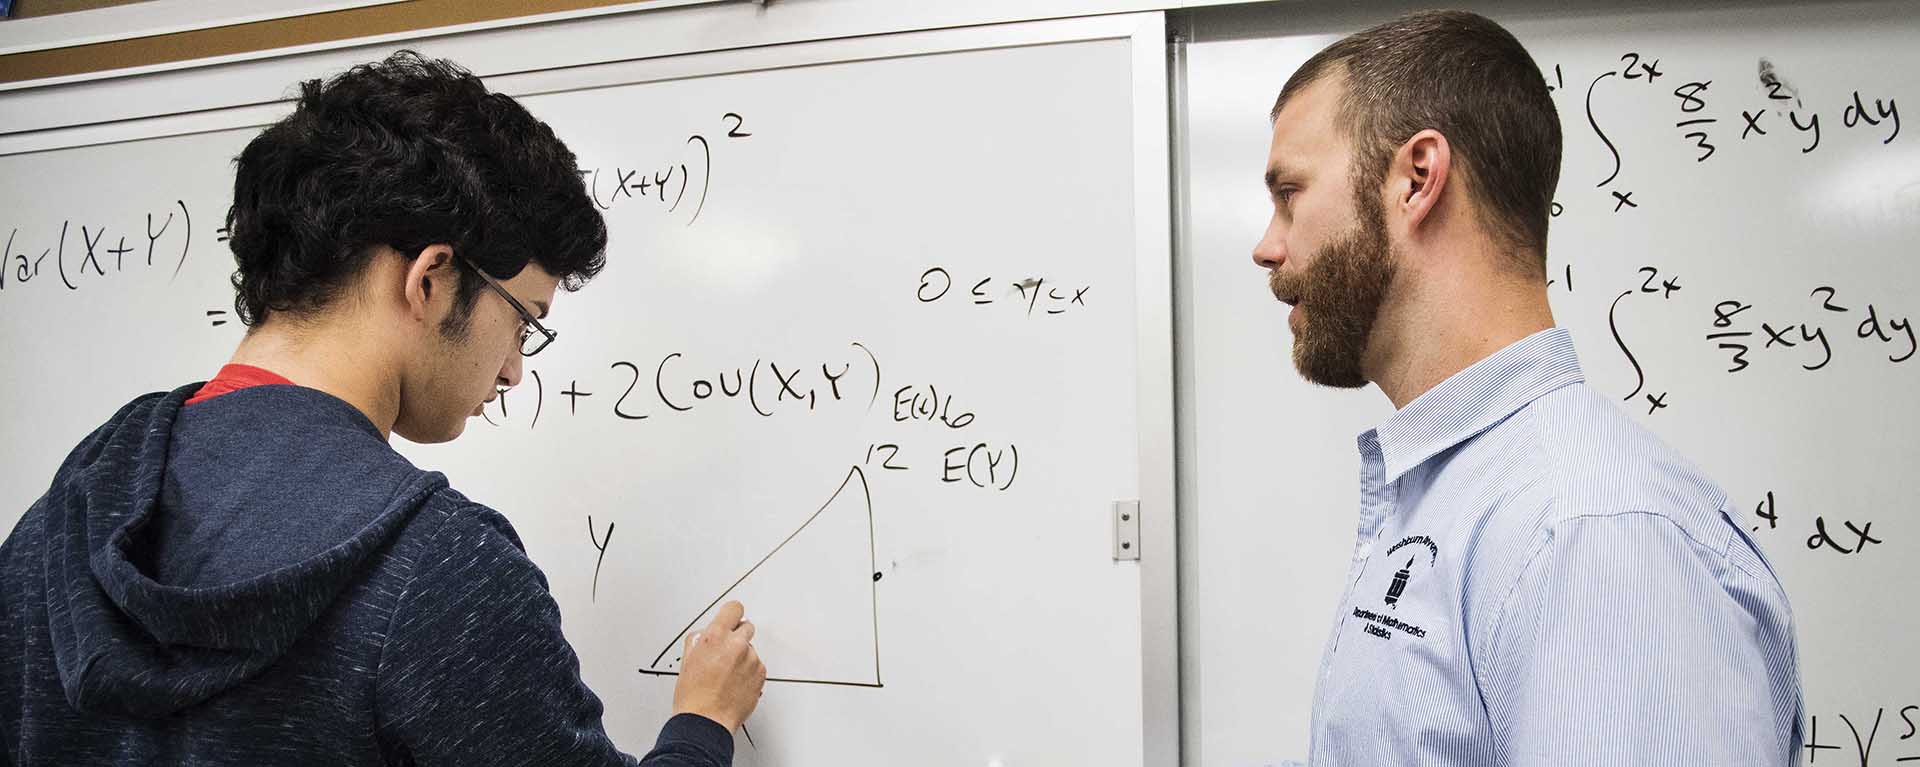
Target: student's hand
<point x="720" y="674"/>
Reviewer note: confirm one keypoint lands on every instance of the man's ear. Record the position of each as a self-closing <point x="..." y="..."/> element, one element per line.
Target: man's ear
<point x="1418" y="177"/>
<point x="429" y="278"/>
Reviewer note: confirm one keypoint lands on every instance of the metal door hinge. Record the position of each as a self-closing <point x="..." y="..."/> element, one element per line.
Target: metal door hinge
<point x="1126" y="531"/>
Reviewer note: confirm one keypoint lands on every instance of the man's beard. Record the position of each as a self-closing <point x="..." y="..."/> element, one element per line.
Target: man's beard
<point x="1340" y="295"/>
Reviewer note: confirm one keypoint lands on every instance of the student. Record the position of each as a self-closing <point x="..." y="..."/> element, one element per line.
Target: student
<point x="1537" y="580"/>
<point x="245" y="572"/>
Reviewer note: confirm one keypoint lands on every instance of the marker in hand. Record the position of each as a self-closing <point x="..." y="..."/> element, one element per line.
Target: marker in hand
<point x="721" y="675"/>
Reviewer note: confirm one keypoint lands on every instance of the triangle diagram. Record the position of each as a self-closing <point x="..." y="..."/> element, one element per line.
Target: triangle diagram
<point x="813" y="599"/>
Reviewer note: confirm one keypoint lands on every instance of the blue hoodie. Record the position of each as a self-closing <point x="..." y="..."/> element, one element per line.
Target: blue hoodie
<point x="259" y="579"/>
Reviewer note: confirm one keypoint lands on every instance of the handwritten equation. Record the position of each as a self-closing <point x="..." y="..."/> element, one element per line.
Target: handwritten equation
<point x="1845" y="536"/>
<point x="1746" y="335"/>
<point x="666" y="184"/>
<point x="79" y="252"/>
<point x="1703" y="122"/>
<point x="772" y="388"/>
<point x="769" y="387"/>
<point x="1033" y="293"/>
<point x="1780" y="103"/>
<point x="1893" y="334"/>
<point x="983" y="465"/>
<point x="1855" y="745"/>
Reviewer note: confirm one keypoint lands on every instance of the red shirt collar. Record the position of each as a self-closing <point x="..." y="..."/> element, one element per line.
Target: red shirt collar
<point x="234" y="377"/>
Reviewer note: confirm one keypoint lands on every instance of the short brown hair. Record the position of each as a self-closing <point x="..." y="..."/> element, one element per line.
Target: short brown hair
<point x="1468" y="78"/>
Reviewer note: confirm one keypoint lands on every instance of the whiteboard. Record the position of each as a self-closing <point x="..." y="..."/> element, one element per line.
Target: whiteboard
<point x="882" y="338"/>
<point x="1770" y="221"/>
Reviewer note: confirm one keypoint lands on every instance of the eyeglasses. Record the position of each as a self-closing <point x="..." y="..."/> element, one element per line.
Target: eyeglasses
<point x="533" y="335"/>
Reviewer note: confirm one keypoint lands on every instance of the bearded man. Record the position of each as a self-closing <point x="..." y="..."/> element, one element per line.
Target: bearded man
<point x="1537" y="580"/>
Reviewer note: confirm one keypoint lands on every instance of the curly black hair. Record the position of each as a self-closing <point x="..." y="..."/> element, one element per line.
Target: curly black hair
<point x="407" y="152"/>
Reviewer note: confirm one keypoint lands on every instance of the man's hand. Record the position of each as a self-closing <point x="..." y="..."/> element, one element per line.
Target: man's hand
<point x="720" y="674"/>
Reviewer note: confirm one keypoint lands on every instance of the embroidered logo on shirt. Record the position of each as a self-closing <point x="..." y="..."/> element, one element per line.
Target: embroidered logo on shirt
<point x="1384" y="626"/>
<point x="1405" y="574"/>
<point x="1399" y="584"/>
<point x="1378" y="624"/>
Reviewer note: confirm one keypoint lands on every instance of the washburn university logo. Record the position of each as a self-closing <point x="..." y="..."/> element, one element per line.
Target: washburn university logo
<point x="1399" y="584"/>
<point x="1384" y="625"/>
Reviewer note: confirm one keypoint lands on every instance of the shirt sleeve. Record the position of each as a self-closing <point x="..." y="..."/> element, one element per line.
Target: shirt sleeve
<point x="1627" y="641"/>
<point x="9" y="623"/>
<point x="476" y="671"/>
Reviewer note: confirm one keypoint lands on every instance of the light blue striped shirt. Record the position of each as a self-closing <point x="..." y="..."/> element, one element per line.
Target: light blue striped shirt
<point x="1538" y="580"/>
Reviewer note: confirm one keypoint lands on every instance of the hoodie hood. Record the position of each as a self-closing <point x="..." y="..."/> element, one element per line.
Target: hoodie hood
<point x="188" y="549"/>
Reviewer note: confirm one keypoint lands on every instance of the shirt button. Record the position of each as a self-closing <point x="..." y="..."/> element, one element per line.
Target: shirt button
<point x="1365" y="550"/>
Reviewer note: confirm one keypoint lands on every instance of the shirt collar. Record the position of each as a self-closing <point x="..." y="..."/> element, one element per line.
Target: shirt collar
<point x="1473" y="400"/>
